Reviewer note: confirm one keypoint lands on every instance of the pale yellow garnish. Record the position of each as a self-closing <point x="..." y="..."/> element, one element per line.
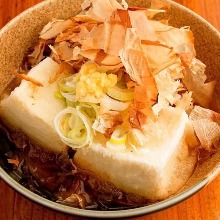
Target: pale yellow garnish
<point x="93" y="83"/>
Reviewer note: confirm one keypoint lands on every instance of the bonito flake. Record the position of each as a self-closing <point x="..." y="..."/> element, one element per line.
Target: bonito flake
<point x="157" y="61"/>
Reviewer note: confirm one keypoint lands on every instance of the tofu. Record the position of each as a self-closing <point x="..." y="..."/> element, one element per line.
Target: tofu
<point x="31" y="109"/>
<point x="154" y="171"/>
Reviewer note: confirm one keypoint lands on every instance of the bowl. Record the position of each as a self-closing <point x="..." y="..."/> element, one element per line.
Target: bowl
<point x="22" y="32"/>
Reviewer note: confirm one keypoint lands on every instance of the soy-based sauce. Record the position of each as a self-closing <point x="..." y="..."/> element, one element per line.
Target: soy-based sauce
<point x="57" y="178"/>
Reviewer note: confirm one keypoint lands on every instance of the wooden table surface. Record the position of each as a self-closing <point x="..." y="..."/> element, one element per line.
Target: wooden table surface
<point x="205" y="205"/>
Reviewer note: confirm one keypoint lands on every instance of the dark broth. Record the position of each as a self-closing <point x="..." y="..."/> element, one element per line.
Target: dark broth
<point x="55" y="176"/>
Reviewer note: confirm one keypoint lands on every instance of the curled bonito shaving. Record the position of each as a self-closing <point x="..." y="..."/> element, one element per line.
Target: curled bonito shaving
<point x="206" y="124"/>
<point x="157" y="61"/>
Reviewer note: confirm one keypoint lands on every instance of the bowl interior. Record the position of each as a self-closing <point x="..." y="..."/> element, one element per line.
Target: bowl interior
<point x="22" y="32"/>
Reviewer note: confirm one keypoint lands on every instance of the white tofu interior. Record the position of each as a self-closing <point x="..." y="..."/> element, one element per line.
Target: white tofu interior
<point x="154" y="171"/>
<point x="31" y="109"/>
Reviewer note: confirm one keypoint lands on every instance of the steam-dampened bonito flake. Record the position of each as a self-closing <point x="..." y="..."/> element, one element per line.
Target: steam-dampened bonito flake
<point x="206" y="125"/>
<point x="195" y="79"/>
<point x="54" y="28"/>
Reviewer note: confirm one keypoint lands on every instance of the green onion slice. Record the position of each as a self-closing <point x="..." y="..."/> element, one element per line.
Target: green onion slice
<point x="67" y="87"/>
<point x="121" y="94"/>
<point x="74" y="127"/>
<point x="117" y="141"/>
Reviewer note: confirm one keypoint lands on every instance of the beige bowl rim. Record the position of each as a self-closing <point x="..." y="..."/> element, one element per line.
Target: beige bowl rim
<point x="107" y="214"/>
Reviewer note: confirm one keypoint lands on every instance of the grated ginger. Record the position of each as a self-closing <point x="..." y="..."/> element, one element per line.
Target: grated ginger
<point x="93" y="83"/>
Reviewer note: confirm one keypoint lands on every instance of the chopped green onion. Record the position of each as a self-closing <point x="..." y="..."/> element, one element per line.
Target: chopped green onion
<point x="58" y="95"/>
<point x="78" y="134"/>
<point x="118" y="137"/>
<point x="117" y="141"/>
<point x="67" y="87"/>
<point x="90" y="109"/>
<point x="69" y="103"/>
<point x="121" y="94"/>
<point x="132" y="141"/>
<point x="74" y="127"/>
<point x="64" y="127"/>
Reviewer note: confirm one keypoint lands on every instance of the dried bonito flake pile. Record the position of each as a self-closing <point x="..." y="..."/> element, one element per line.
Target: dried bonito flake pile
<point x="124" y="66"/>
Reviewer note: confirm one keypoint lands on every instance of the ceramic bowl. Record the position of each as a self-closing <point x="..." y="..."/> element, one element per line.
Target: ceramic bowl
<point x="22" y="32"/>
